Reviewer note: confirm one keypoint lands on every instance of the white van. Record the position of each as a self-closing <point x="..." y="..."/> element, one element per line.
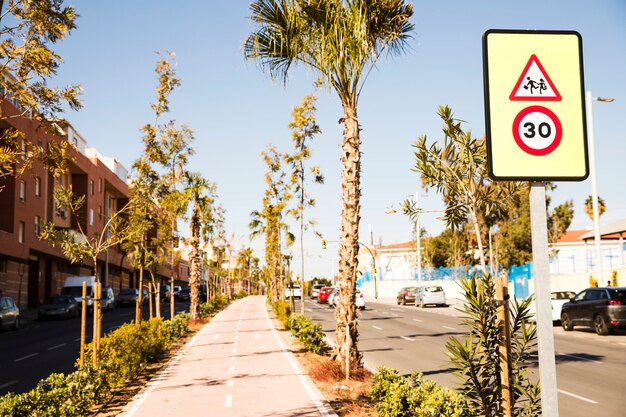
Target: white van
<point x="74" y="286"/>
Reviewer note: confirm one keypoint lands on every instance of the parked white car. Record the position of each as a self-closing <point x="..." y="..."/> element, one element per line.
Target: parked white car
<point x="430" y="294"/>
<point x="359" y="300"/>
<point x="557" y="299"/>
<point x="293" y="291"/>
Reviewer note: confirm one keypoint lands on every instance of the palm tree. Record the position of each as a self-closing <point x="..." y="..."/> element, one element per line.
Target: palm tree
<point x="588" y="207"/>
<point x="341" y="40"/>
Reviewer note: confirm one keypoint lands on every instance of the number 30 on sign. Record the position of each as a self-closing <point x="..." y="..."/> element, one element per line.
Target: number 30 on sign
<point x="537" y="130"/>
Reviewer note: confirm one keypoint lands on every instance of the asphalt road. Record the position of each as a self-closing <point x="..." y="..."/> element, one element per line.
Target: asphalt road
<point x="40" y="348"/>
<point x="591" y="369"/>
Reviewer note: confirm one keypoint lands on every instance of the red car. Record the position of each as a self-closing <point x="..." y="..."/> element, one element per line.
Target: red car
<point x="322" y="297"/>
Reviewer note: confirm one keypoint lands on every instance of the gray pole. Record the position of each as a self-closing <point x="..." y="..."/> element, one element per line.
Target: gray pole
<point x="541" y="275"/>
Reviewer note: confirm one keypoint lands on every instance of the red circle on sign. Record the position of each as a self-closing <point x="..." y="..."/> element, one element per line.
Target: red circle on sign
<point x="540" y="122"/>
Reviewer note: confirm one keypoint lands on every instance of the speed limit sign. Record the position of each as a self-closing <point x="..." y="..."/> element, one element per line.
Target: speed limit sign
<point x="537" y="130"/>
<point x="535" y="126"/>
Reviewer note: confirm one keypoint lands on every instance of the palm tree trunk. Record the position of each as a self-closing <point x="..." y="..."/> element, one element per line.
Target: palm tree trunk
<point x="346" y="350"/>
<point x="194" y="268"/>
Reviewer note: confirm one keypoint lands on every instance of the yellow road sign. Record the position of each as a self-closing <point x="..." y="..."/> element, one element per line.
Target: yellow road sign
<point x="534" y="105"/>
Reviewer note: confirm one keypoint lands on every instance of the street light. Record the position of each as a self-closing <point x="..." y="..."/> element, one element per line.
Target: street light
<point x="594" y="182"/>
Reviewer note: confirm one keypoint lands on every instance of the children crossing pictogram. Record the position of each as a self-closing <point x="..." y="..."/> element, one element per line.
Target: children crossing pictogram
<point x="534" y="84"/>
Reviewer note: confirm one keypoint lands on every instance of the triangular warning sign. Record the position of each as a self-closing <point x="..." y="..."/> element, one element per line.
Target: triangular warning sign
<point x="534" y="84"/>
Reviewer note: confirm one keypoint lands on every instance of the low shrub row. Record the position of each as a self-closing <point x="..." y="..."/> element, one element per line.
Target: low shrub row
<point x="282" y="311"/>
<point x="397" y="396"/>
<point x="124" y="353"/>
<point x="309" y="333"/>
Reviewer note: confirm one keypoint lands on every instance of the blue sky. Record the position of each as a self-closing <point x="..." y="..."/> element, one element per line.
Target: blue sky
<point x="235" y="110"/>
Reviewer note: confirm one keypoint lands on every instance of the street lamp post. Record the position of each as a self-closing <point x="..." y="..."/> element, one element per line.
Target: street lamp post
<point x="594" y="182"/>
<point x="418" y="240"/>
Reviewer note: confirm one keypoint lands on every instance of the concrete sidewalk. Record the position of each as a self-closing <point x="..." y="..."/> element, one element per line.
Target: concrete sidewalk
<point x="236" y="365"/>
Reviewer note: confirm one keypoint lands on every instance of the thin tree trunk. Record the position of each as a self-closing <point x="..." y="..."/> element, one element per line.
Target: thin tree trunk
<point x="350" y="191"/>
<point x="194" y="270"/>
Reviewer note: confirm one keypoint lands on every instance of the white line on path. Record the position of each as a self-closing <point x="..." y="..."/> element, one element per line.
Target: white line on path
<point x="57" y="346"/>
<point x="217" y="336"/>
<point x="417" y="320"/>
<point x="577" y="396"/>
<point x="26" y="357"/>
<point x="230" y="383"/>
<point x="449" y="328"/>
<point x="234" y="350"/>
<point x="408" y="338"/>
<point x="578" y="357"/>
<point x="377" y="328"/>
<point x="622" y="343"/>
<point x="8" y="384"/>
<point x="228" y="401"/>
<point x="231" y="368"/>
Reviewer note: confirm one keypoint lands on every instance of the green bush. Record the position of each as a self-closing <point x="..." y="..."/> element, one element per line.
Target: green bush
<point x="309" y="333"/>
<point x="282" y="311"/>
<point x="396" y="396"/>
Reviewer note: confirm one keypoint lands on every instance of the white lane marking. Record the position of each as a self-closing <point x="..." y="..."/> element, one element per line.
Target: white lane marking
<point x="384" y="312"/>
<point x="396" y="309"/>
<point x="449" y="328"/>
<point x="57" y="346"/>
<point x="417" y="320"/>
<point x="8" y="384"/>
<point x="26" y="357"/>
<point x="228" y="401"/>
<point x="622" y="343"/>
<point x="77" y="339"/>
<point x="231" y="368"/>
<point x="395" y="314"/>
<point x="230" y="383"/>
<point x="577" y="397"/>
<point x="578" y="357"/>
<point x="408" y="338"/>
<point x="377" y="328"/>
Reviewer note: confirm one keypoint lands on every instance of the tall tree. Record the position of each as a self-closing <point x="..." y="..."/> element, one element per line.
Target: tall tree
<point x="303" y="129"/>
<point x="270" y="220"/>
<point x="167" y="151"/>
<point x="588" y="207"/>
<point x="341" y="40"/>
<point x="457" y="169"/>
<point x="202" y="195"/>
<point x="27" y="62"/>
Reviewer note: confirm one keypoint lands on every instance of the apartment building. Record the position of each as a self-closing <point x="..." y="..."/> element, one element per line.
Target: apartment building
<point x="31" y="270"/>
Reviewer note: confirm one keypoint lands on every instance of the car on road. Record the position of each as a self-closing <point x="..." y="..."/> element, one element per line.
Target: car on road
<point x="177" y="289"/>
<point x="359" y="299"/>
<point x="406" y="296"/>
<point x="9" y="314"/>
<point x="322" y="297"/>
<point x="184" y="294"/>
<point x="332" y="297"/>
<point x="58" y="306"/>
<point x="107" y="302"/>
<point x="557" y="299"/>
<point x="315" y="290"/>
<point x="430" y="294"/>
<point x="293" y="290"/>
<point x="128" y="297"/>
<point x="603" y="309"/>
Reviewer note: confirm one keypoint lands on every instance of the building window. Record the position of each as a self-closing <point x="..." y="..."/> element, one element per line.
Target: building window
<point x="91" y="187"/>
<point x="100" y="213"/>
<point x="23" y="149"/>
<point x="90" y="217"/>
<point x="37" y="225"/>
<point x="99" y="185"/>
<point x="37" y="187"/>
<point x="20" y="232"/>
<point x="3" y="265"/>
<point x="22" y="191"/>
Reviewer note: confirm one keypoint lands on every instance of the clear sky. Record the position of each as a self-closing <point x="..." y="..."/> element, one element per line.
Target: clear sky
<point x="235" y="110"/>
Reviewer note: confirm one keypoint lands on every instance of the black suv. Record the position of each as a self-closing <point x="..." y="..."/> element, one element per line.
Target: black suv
<point x="604" y="309"/>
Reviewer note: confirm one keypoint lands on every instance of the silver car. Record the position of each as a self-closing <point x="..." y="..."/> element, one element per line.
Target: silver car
<point x="9" y="314"/>
<point x="430" y="294"/>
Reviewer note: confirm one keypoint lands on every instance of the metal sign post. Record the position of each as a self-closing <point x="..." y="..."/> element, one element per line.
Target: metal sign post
<point x="541" y="275"/>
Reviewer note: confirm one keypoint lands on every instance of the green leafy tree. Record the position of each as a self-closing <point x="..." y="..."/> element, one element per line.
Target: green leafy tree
<point x="270" y="221"/>
<point x="28" y="32"/>
<point x="78" y="244"/>
<point x="588" y="207"/>
<point x="303" y="129"/>
<point x="457" y="169"/>
<point x="342" y="41"/>
<point x="449" y="249"/>
<point x="202" y="195"/>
